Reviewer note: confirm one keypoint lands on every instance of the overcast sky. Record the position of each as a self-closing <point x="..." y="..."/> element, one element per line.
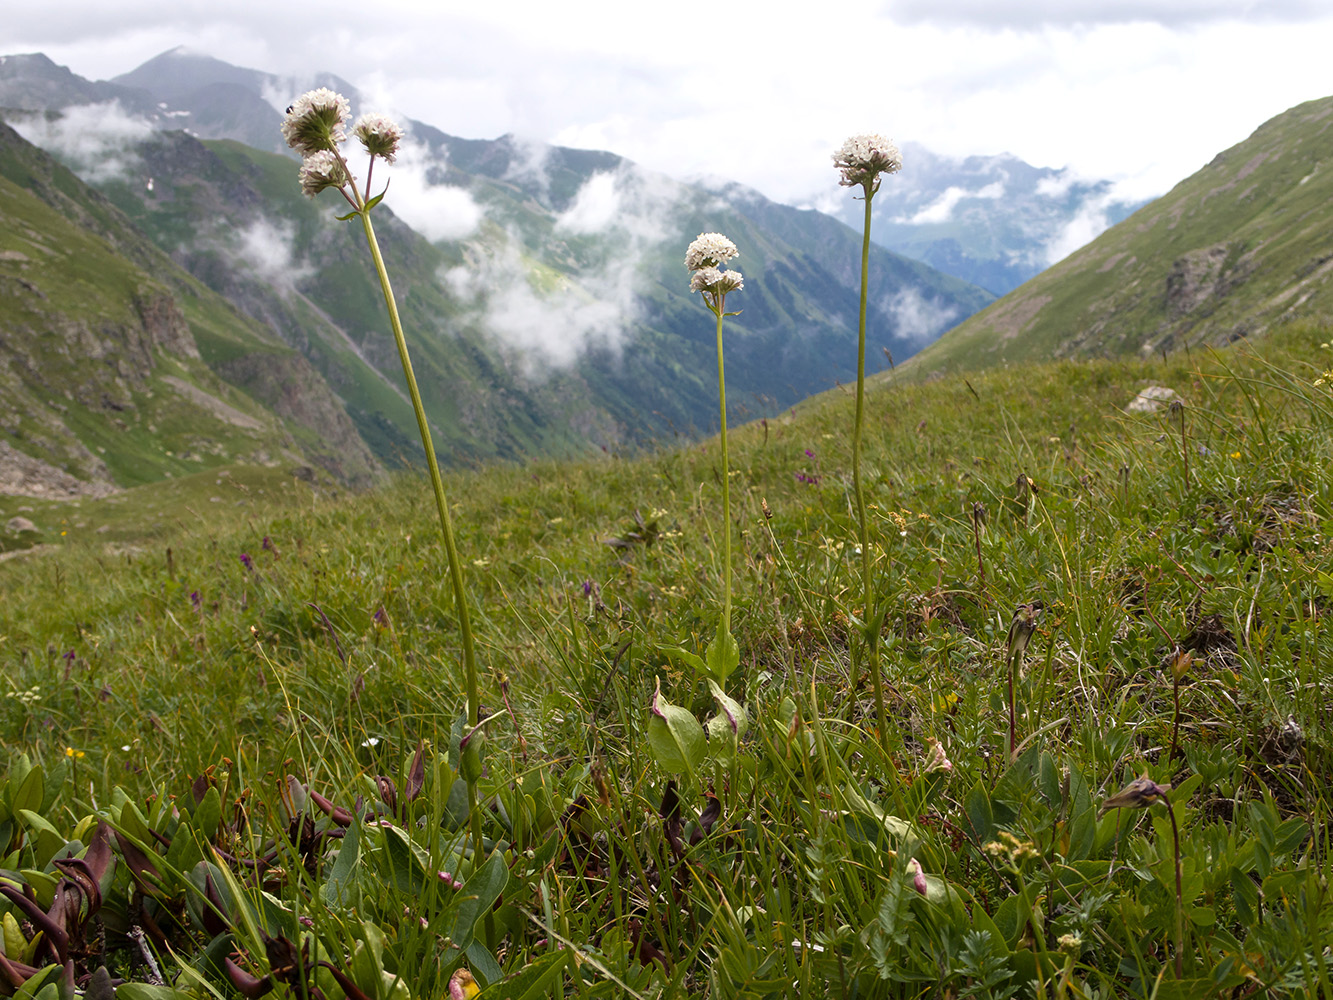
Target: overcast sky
<point x="1139" y="91"/>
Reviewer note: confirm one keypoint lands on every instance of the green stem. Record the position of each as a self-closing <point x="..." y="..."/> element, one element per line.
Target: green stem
<point x="726" y="481"/>
<point x="446" y="523"/>
<point x="871" y="623"/>
<point x="1180" y="915"/>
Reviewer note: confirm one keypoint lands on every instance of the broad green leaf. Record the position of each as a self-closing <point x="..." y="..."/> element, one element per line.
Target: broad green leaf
<point x="687" y="658"/>
<point x="727" y="727"/>
<point x="146" y="991"/>
<point x="28" y="791"/>
<point x="477" y="896"/>
<point x="723" y="655"/>
<point x="675" y="736"/>
<point x="338" y="888"/>
<point x="531" y="982"/>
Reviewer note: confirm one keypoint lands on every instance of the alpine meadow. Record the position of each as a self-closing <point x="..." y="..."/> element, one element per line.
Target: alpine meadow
<point x="392" y="611"/>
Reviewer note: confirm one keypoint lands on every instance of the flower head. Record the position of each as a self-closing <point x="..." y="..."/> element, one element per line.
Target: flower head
<point x="938" y="761"/>
<point x="862" y="158"/>
<point x="322" y="170"/>
<point x="379" y="134"/>
<point x="246" y="561"/>
<point x="462" y="986"/>
<point x="316" y="121"/>
<point x="1138" y="794"/>
<point x="714" y="282"/>
<point x="709" y="250"/>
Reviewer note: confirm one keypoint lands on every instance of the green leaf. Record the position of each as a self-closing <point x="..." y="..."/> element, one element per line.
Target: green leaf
<point x="28" y="792"/>
<point x="727" y="727"/>
<point x="689" y="659"/>
<point x="207" y="815"/>
<point x="146" y="991"/>
<point x="476" y="898"/>
<point x="533" y="981"/>
<point x="722" y="656"/>
<point x="675" y="736"/>
<point x="338" y="888"/>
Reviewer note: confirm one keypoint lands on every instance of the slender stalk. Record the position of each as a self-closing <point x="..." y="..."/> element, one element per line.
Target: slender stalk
<point x="871" y="623"/>
<point x="726" y="482"/>
<point x="1180" y="918"/>
<point x="446" y="522"/>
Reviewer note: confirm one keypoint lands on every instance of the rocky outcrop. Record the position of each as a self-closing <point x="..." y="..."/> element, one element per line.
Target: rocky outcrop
<point x="288" y="385"/>
<point x="23" y="475"/>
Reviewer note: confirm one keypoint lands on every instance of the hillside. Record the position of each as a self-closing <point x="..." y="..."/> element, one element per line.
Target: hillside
<point x="282" y="681"/>
<point x="1241" y="246"/>
<point x="118" y="368"/>
<point x="541" y="287"/>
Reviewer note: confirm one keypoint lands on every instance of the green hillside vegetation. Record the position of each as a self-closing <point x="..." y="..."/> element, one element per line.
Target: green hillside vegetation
<point x="1237" y="249"/>
<point x="274" y="738"/>
<point x="119" y="366"/>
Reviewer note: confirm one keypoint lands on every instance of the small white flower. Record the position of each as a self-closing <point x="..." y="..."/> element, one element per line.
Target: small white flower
<point x="863" y="158"/>
<point x="714" y="282"/>
<point x="709" y="250"/>
<point x="321" y="170"/>
<point x="316" y="120"/>
<point x="379" y="134"/>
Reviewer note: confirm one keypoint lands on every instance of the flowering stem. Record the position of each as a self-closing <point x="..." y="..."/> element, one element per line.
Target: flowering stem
<point x="1180" y="921"/>
<point x="871" y="622"/>
<point x="446" y="523"/>
<point x="726" y="480"/>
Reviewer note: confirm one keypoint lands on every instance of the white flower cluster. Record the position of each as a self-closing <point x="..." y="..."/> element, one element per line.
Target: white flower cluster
<point x="862" y="158"/>
<point x="379" y="134"/>
<point x="316" y="121"/>
<point x="702" y="258"/>
<point x="716" y="282"/>
<point x="320" y="170"/>
<point x="709" y="250"/>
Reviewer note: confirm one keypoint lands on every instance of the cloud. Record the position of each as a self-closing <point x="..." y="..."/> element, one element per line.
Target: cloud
<point x="1035" y="13"/>
<point x="97" y="141"/>
<point x="548" y="318"/>
<point x="436" y="211"/>
<point x="941" y="209"/>
<point x="1089" y="222"/>
<point x="594" y="208"/>
<point x="267" y="250"/>
<point x="918" y="318"/>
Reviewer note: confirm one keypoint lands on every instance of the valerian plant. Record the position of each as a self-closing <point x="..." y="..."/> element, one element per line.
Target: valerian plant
<point x="316" y="126"/>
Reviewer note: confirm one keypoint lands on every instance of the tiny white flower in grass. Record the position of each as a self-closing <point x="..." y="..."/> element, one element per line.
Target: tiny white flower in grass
<point x="863" y="158"/>
<point x="316" y="120"/>
<point x="714" y="282"/>
<point x="379" y="134"/>
<point x="709" y="250"/>
<point x="322" y="170"/>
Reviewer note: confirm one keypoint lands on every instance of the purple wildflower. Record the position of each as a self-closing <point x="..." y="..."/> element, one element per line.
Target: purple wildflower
<point x="196" y="600"/>
<point x="68" y="656"/>
<point x="587" y="588"/>
<point x="809" y="453"/>
<point x="267" y="544"/>
<point x="246" y="561"/>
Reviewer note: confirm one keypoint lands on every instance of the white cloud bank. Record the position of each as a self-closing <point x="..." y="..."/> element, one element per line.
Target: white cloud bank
<point x="551" y="319"/>
<point x="97" y="141"/>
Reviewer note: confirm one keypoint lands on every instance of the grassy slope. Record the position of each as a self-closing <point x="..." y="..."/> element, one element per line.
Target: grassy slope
<point x="1114" y="543"/>
<point x="88" y="369"/>
<point x="1237" y="248"/>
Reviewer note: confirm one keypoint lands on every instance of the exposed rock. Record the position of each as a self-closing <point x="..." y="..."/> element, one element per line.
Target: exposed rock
<point x="224" y="412"/>
<point x="1204" y="274"/>
<point x="164" y="323"/>
<point x="18" y="525"/>
<point x="1151" y="398"/>
<point x="23" y="475"/>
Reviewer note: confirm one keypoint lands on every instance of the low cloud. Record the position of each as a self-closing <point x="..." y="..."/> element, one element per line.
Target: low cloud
<point x="1089" y="222"/>
<point x="550" y="318"/>
<point x="97" y="141"/>
<point x="919" y="318"/>
<point x="437" y="211"/>
<point x="941" y="209"/>
<point x="267" y="250"/>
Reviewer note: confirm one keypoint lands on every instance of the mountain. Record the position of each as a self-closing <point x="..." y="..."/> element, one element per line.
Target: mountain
<point x="1241" y="246"/>
<point x="995" y="221"/>
<point x="119" y="368"/>
<point x="541" y="287"/>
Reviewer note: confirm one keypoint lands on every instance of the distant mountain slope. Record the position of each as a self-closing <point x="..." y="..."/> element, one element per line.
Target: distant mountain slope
<point x="1242" y="245"/>
<point x="542" y="287"/>
<point x="995" y="221"/>
<point x="118" y="368"/>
